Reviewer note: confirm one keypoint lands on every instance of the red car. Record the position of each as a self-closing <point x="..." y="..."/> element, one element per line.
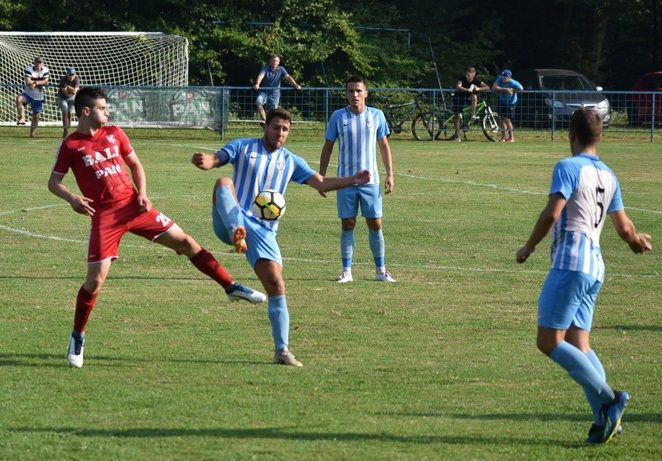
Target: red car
<point x="641" y="105"/>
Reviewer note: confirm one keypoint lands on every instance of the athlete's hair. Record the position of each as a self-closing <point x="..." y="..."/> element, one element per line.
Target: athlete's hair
<point x="279" y="112"/>
<point x="87" y="97"/>
<point x="355" y="79"/>
<point x="586" y="126"/>
<point x="274" y="56"/>
<point x="470" y="69"/>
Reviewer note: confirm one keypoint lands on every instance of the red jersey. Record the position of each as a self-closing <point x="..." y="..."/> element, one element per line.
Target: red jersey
<point x="98" y="165"/>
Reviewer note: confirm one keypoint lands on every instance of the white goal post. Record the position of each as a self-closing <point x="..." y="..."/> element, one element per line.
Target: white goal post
<point x="106" y="59"/>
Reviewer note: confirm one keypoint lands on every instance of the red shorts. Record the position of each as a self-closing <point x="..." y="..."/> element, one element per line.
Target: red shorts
<point x="109" y="227"/>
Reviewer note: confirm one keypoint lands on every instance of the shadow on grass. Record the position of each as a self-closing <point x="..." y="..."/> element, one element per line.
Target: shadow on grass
<point x="282" y="434"/>
<point x="8" y="359"/>
<point x="630" y="416"/>
<point x="654" y="328"/>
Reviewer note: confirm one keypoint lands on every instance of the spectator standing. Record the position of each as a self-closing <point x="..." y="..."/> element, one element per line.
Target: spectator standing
<point x="35" y="79"/>
<point x="67" y="89"/>
<point x="507" y="87"/>
<point x="268" y="84"/>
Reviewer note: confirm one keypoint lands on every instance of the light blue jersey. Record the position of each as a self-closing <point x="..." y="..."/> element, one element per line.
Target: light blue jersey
<point x="591" y="190"/>
<point x="505" y="98"/>
<point x="256" y="169"/>
<point x="357" y="134"/>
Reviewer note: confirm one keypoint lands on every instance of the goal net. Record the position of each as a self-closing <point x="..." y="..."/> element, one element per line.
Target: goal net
<point x="106" y="59"/>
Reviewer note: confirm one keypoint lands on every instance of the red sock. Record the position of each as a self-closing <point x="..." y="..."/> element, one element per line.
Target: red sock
<point x="207" y="264"/>
<point x="84" y="304"/>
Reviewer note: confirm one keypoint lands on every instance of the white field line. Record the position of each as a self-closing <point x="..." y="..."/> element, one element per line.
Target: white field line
<point x="28" y="233"/>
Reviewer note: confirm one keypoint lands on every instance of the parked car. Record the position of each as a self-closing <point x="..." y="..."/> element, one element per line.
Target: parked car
<point x="569" y="91"/>
<point x="640" y="107"/>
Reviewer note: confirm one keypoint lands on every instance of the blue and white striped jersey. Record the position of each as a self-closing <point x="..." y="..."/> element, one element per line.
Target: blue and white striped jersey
<point x="591" y="190"/>
<point x="358" y="135"/>
<point x="256" y="169"/>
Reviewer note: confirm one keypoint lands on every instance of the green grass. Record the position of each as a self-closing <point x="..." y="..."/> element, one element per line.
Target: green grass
<point x="441" y="365"/>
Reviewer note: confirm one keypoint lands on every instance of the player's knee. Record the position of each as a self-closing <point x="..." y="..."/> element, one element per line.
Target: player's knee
<point x="223" y="181"/>
<point x="348" y="223"/>
<point x="374" y="224"/>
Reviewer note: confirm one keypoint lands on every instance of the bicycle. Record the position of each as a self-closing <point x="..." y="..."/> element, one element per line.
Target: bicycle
<point x="424" y="123"/>
<point x="486" y="119"/>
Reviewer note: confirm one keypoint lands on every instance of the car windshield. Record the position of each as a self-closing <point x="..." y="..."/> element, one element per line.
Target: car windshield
<point x="565" y="82"/>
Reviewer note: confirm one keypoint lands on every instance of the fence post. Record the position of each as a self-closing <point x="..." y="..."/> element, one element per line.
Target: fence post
<point x="652" y="117"/>
<point x="553" y="113"/>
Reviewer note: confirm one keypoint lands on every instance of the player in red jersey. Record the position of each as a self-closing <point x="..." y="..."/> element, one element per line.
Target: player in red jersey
<point x="98" y="155"/>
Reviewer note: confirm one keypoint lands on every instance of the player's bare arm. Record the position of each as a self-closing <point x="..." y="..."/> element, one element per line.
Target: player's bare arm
<point x="547" y="218"/>
<point x="387" y="158"/>
<point x="324" y="184"/>
<point x="325" y="157"/>
<point x="139" y="180"/>
<point x="204" y="161"/>
<point x="79" y="203"/>
<point x="638" y="242"/>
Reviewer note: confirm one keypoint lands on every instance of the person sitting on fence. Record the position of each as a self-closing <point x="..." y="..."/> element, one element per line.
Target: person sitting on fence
<point x="466" y="92"/>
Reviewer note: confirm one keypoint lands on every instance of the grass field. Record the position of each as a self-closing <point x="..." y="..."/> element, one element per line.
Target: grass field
<point x="441" y="365"/>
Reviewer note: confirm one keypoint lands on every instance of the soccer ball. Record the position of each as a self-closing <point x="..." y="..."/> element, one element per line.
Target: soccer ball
<point x="269" y="205"/>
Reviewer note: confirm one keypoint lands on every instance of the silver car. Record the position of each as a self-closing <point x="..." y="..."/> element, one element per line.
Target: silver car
<point x="557" y="94"/>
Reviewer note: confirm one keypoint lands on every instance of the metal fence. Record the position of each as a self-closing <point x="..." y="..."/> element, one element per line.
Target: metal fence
<point x="543" y="114"/>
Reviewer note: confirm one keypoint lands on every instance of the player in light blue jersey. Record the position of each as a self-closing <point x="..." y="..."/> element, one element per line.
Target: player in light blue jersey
<point x="583" y="192"/>
<point x="261" y="164"/>
<point x="360" y="130"/>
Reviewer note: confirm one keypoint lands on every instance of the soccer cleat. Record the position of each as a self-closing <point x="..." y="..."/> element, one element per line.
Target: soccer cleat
<point x="384" y="277"/>
<point x="75" y="350"/>
<point x="596" y="434"/>
<point x="613" y="413"/>
<point x="285" y="357"/>
<point x="511" y="139"/>
<point x="503" y="139"/>
<point x="237" y="292"/>
<point x="344" y="277"/>
<point x="239" y="239"/>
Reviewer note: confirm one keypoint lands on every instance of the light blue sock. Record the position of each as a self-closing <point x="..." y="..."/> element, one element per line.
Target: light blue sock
<point x="227" y="208"/>
<point x="580" y="368"/>
<point x="280" y="321"/>
<point x="347" y="243"/>
<point x="376" y="238"/>
<point x="593" y="401"/>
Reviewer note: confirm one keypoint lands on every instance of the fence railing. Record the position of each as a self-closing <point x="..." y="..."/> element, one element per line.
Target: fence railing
<point x="227" y="108"/>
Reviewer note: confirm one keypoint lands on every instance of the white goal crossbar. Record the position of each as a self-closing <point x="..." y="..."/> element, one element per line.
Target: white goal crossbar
<point x="106" y="59"/>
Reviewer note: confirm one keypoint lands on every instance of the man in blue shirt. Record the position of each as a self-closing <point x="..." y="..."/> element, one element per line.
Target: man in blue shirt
<point x="270" y="77"/>
<point x="360" y="129"/>
<point x="263" y="164"/>
<point x="583" y="191"/>
<point x="507" y="87"/>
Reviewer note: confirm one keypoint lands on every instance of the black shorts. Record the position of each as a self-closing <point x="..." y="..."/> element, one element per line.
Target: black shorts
<point x="507" y="111"/>
<point x="460" y="101"/>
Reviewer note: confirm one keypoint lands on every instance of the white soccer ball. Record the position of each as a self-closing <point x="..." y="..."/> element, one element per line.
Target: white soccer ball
<point x="269" y="205"/>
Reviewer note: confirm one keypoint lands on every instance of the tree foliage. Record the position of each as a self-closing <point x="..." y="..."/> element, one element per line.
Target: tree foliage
<point x="390" y="42"/>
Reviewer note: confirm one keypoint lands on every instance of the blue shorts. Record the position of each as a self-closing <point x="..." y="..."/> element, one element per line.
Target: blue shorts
<point x="567" y="298"/>
<point x="261" y="241"/>
<point x="269" y="98"/>
<point x="369" y="196"/>
<point x="37" y="106"/>
<point x="506" y="110"/>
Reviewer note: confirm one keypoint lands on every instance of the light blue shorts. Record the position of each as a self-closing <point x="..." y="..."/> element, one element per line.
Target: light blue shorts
<point x="368" y="196"/>
<point x="269" y="98"/>
<point x="37" y="106"/>
<point x="567" y="298"/>
<point x="260" y="240"/>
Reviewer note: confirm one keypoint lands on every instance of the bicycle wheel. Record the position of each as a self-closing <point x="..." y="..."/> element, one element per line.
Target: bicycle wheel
<point x="446" y="129"/>
<point x="491" y="125"/>
<point x="425" y="126"/>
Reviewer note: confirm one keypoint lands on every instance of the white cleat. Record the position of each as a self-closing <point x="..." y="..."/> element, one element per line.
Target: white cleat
<point x="384" y="277"/>
<point x="285" y="357"/>
<point x="237" y="292"/>
<point x="344" y="277"/>
<point x="75" y="350"/>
